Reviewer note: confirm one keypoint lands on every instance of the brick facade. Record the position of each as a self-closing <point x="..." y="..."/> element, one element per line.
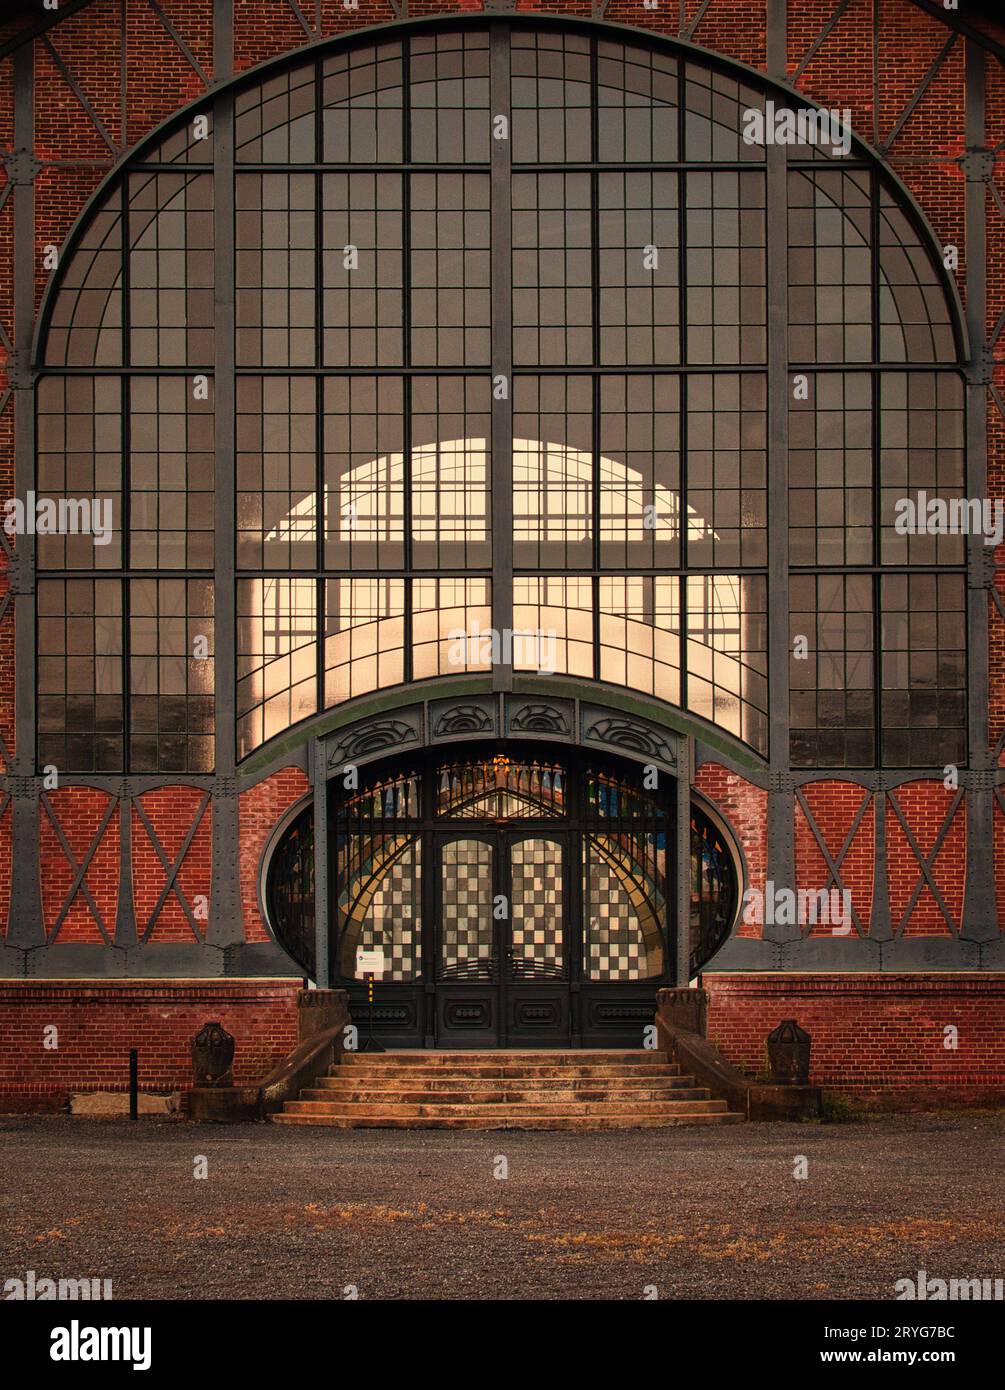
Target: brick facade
<point x="881" y="1039"/>
<point x="98" y="1023"/>
<point x="75" y="155"/>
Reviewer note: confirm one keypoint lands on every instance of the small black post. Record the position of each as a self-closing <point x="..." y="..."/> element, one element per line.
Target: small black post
<point x="134" y="1084"/>
<point x="371" y="1044"/>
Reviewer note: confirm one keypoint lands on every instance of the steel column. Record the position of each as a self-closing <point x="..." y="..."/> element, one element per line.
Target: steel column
<point x="25" y="926"/>
<point x="682" y="877"/>
<point x="319" y="782"/>
<point x="226" y="924"/>
<point x="781" y="806"/>
<point x="980" y="918"/>
<point x="502" y="351"/>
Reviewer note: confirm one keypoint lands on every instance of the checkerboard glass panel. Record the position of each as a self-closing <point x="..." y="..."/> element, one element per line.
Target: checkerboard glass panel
<point x="623" y="932"/>
<point x="392" y="919"/>
<point x="537" y="920"/>
<point x="466" y="910"/>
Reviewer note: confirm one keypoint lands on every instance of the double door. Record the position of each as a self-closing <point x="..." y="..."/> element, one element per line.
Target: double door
<point x="506" y="936"/>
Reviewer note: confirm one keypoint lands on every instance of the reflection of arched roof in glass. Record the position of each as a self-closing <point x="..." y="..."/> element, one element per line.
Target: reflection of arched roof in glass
<point x="365" y="408"/>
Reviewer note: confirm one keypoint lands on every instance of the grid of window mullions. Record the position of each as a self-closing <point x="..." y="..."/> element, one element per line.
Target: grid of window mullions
<point x="878" y="577"/>
<point x="407" y="370"/>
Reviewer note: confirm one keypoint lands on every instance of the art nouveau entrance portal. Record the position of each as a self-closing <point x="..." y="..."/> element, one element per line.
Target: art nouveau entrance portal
<point x="510" y="901"/>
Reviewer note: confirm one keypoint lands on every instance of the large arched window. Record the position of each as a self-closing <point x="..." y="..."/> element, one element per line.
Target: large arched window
<point x="489" y="377"/>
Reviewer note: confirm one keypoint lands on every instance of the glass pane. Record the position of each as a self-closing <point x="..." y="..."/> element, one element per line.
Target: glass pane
<point x="623" y="936"/>
<point x="500" y="789"/>
<point x="537" y="922"/>
<point x="390" y="915"/>
<point x="466" y="911"/>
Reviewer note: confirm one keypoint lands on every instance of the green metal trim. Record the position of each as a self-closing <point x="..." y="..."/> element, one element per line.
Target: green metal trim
<point x="454" y="687"/>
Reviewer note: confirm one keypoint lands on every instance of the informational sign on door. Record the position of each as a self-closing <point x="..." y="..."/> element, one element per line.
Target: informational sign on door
<point x="369" y="962"/>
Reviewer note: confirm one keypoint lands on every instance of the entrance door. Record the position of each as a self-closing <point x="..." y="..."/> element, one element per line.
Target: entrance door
<point x="503" y="947"/>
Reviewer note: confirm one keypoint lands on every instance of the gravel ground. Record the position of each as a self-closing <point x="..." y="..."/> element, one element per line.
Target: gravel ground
<point x="700" y="1213"/>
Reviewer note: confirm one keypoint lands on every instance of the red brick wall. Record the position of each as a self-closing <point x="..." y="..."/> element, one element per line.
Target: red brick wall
<point x="79" y="812"/>
<point x="260" y="808"/>
<point x="878" y="1037"/>
<point x="171" y="812"/>
<point x="834" y="806"/>
<point x="99" y="1022"/>
<point x="925" y="806"/>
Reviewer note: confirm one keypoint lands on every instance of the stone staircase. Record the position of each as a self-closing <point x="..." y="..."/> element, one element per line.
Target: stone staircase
<point x="505" y="1090"/>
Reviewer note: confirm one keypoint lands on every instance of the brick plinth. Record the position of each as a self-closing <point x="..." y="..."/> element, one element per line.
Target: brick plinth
<point x="98" y="1022"/>
<point x="881" y="1038"/>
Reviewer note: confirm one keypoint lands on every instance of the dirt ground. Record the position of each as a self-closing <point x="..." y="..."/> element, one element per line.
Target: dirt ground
<point x="316" y="1213"/>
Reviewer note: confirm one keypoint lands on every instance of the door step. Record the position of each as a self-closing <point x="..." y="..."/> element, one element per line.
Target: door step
<point x="505" y="1090"/>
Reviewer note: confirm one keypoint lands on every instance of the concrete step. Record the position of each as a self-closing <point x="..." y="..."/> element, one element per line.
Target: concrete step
<point x="472" y="1085"/>
<point x="514" y="1110"/>
<point x="416" y="1057"/>
<point x="504" y="1121"/>
<point x="515" y="1089"/>
<point x="504" y="1069"/>
<point x="488" y="1095"/>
